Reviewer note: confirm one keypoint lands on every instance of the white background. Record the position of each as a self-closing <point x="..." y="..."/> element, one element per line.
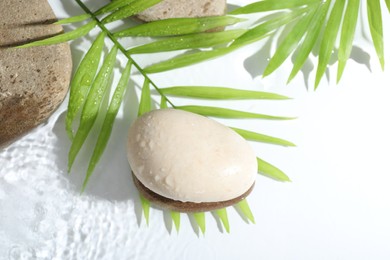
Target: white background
<point x="336" y="207"/>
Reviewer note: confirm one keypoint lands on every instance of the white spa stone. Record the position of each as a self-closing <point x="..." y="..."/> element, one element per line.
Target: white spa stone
<point x="187" y="157"/>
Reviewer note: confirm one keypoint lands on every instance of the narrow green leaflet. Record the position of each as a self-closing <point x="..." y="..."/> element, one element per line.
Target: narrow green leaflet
<point x="178" y="26"/>
<point x="329" y="39"/>
<point x="114" y="5"/>
<point x="145" y="208"/>
<point x="267" y="169"/>
<point x="219" y="93"/>
<point x="187" y="59"/>
<point x="245" y="209"/>
<point x="145" y="104"/>
<point x="253" y="136"/>
<point x="347" y="35"/>
<point x="290" y="42"/>
<point x="375" y="22"/>
<point x="200" y="220"/>
<point x="222" y="214"/>
<point x="163" y="102"/>
<point x="228" y="113"/>
<point x="388" y="4"/>
<point x="192" y="41"/>
<point x="272" y="5"/>
<point x="82" y="81"/>
<point x="311" y="38"/>
<point x="131" y="9"/>
<point x="74" y="19"/>
<point x="264" y="29"/>
<point x="77" y="33"/>
<point x="92" y="105"/>
<point x="108" y="123"/>
<point x="176" y="219"/>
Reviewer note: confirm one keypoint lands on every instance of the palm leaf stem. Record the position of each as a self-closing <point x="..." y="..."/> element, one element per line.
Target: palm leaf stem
<point x="122" y="49"/>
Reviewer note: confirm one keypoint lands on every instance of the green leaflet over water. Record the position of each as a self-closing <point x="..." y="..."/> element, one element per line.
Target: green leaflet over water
<point x="145" y="104"/>
<point x="267" y="169"/>
<point x="219" y="93"/>
<point x="228" y="113"/>
<point x="92" y="105"/>
<point x="82" y="81"/>
<point x="177" y="26"/>
<point x="374" y="15"/>
<point x="108" y="123"/>
<point x="65" y="37"/>
<point x="192" y="41"/>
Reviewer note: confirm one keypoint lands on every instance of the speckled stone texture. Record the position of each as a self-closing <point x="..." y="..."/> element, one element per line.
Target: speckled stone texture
<point x="33" y="81"/>
<point x="183" y="8"/>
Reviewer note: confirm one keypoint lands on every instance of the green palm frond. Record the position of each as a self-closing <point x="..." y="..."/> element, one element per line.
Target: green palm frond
<point x="82" y="81"/>
<point x="92" y="105"/>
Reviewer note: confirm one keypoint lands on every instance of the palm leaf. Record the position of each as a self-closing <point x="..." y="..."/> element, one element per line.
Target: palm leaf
<point x="388" y="4"/>
<point x="163" y="102"/>
<point x="265" y="29"/>
<point x="192" y="41"/>
<point x="133" y="8"/>
<point x="253" y="136"/>
<point x="329" y="39"/>
<point x="246" y="211"/>
<point x="271" y="5"/>
<point x="145" y="104"/>
<point x="271" y="171"/>
<point x="222" y="214"/>
<point x="176" y="219"/>
<point x="145" y="208"/>
<point x="187" y="59"/>
<point x="290" y="42"/>
<point x="92" y="105"/>
<point x="311" y="37"/>
<point x="178" y="26"/>
<point x="375" y="22"/>
<point x="82" y="81"/>
<point x="65" y="37"/>
<point x="347" y="35"/>
<point x="200" y="221"/>
<point x="228" y="113"/>
<point x="108" y="123"/>
<point x="219" y="93"/>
